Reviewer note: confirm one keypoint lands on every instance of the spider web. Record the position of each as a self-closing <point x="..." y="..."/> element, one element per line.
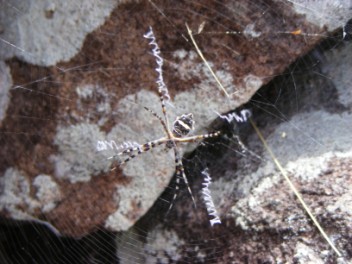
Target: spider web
<point x="68" y="89"/>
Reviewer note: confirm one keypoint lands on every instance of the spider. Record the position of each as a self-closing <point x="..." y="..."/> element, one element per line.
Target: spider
<point x="179" y="133"/>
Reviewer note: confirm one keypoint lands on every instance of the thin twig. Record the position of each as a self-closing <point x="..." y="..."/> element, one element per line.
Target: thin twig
<point x="206" y="62"/>
<point x="293" y="188"/>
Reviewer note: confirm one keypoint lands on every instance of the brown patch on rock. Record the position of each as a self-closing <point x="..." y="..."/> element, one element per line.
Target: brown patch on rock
<point x="85" y="206"/>
<point x="28" y="129"/>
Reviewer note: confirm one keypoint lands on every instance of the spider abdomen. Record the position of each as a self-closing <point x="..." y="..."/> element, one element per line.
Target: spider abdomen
<point x="183" y="125"/>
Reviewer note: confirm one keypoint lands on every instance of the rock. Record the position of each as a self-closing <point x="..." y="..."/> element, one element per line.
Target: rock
<point x="57" y="114"/>
<point x="5" y="84"/>
<point x="25" y="36"/>
<point x="262" y="219"/>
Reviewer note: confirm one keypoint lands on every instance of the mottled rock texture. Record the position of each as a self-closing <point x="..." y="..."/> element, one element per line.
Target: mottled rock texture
<point x="263" y="221"/>
<point x="56" y="114"/>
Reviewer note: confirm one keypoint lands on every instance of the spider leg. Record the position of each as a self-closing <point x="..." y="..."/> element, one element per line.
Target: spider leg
<point x="180" y="173"/>
<point x="162" y="88"/>
<point x="197" y="137"/>
<point x="164" y="95"/>
<point x="134" y="152"/>
<point x="158" y="117"/>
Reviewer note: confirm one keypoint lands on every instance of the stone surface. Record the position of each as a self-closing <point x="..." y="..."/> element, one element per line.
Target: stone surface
<point x="262" y="219"/>
<point x="332" y="14"/>
<point x="57" y="114"/>
<point x="47" y="32"/>
<point x="5" y="85"/>
<point x="16" y="199"/>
